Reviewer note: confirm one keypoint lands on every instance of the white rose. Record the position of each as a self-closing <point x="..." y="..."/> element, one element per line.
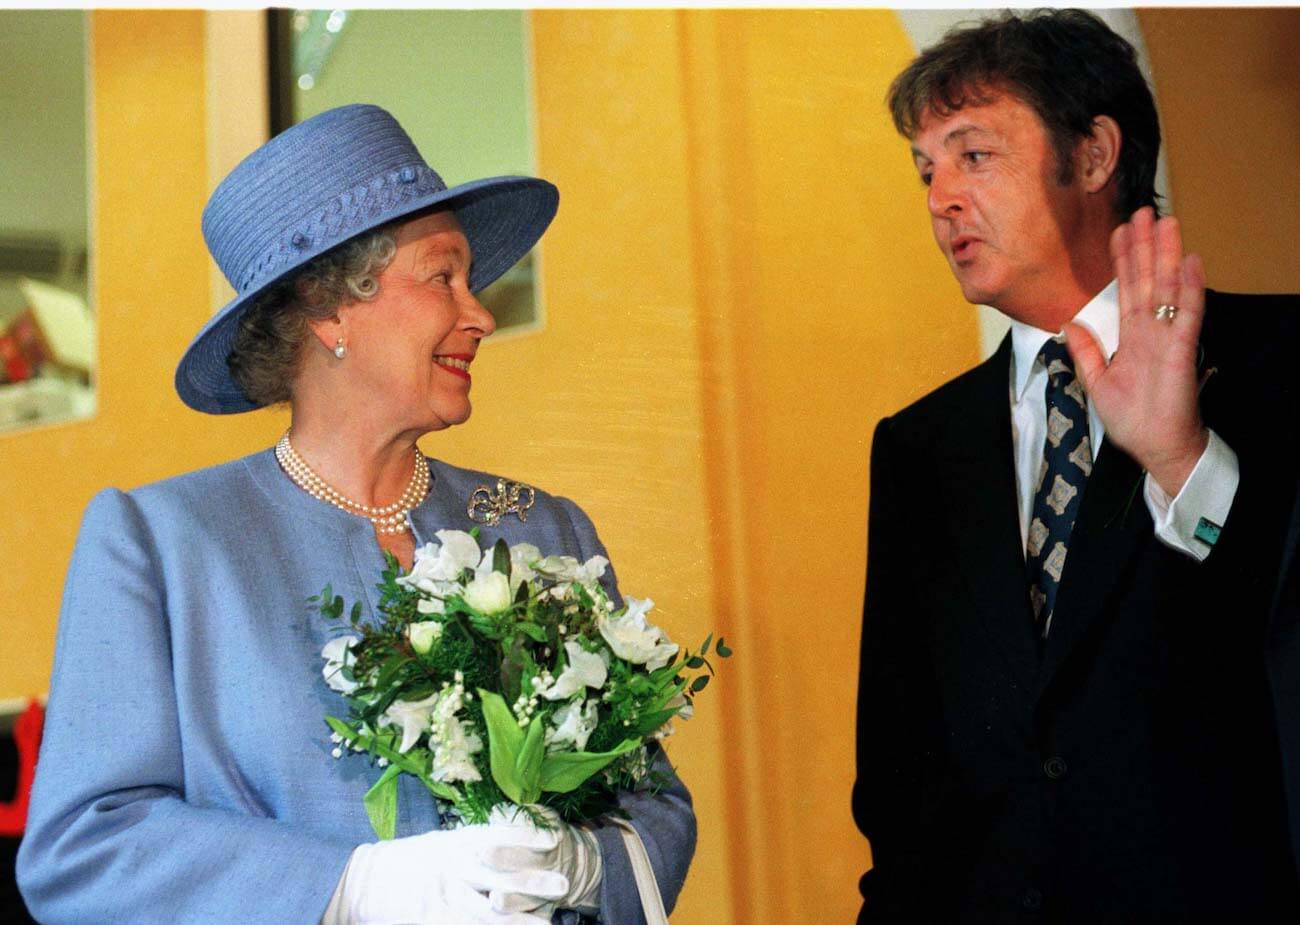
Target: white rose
<point x="423" y="635"/>
<point x="571" y="726"/>
<point x="585" y="669"/>
<point x="338" y="654"/>
<point x="488" y="593"/>
<point x="635" y="640"/>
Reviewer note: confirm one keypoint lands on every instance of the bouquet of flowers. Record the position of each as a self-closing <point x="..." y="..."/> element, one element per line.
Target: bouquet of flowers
<point x="506" y="676"/>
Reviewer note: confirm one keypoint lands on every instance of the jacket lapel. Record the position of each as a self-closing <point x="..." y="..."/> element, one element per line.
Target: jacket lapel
<point x="983" y="524"/>
<point x="1112" y="524"/>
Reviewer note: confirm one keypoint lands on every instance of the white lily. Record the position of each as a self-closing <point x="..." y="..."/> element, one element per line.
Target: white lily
<point x="443" y="561"/>
<point x="413" y="716"/>
<point x="338" y="655"/>
<point x="572" y="725"/>
<point x="567" y="568"/>
<point x="585" y="669"/>
<point x="522" y="557"/>
<point x="635" y="640"/>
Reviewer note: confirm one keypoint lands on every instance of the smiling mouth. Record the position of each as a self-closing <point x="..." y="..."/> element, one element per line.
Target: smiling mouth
<point x="455" y="363"/>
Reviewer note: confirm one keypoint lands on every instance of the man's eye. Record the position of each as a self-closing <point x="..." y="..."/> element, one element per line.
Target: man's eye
<point x="975" y="157"/>
<point x="926" y="177"/>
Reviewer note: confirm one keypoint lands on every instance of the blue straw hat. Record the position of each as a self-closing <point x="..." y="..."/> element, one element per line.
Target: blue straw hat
<point x="320" y="183"/>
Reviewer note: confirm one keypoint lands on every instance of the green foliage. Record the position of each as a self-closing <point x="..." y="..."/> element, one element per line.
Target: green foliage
<point x="503" y="657"/>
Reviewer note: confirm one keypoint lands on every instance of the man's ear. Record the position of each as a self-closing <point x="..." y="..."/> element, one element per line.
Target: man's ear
<point x="1098" y="153"/>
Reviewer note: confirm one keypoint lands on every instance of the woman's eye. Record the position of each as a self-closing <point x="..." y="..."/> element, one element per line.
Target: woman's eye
<point x="925" y="177"/>
<point x="975" y="157"/>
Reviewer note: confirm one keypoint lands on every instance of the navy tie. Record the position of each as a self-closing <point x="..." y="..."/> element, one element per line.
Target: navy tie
<point x="1067" y="463"/>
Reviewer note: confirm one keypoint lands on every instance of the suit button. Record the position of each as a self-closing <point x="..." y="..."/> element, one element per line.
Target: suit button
<point x="1032" y="899"/>
<point x="1054" y="767"/>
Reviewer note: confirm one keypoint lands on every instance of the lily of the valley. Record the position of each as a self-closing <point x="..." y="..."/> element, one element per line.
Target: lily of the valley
<point x="635" y="640"/>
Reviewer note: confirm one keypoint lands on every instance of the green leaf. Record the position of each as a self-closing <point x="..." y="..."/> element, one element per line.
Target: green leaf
<point x="695" y="662"/>
<point x="528" y="763"/>
<point x="505" y="743"/>
<point x="649" y="722"/>
<point x="565" y="772"/>
<point x="533" y="631"/>
<point x="381" y="803"/>
<point x="356" y="612"/>
<point x="704" y="649"/>
<point x="722" y="650"/>
<point x="699" y="683"/>
<point x="501" y="558"/>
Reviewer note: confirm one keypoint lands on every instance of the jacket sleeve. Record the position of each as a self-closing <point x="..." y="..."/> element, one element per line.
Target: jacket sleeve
<point x="664" y="818"/>
<point x="111" y="836"/>
<point x="900" y="792"/>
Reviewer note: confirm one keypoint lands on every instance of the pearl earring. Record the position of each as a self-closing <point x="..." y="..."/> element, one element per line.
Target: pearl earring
<point x="340" y="349"/>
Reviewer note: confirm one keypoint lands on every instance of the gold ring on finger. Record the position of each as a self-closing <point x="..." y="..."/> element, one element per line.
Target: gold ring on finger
<point x="1166" y="312"/>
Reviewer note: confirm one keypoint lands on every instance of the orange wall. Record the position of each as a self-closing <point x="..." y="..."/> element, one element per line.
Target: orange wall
<point x="1228" y="86"/>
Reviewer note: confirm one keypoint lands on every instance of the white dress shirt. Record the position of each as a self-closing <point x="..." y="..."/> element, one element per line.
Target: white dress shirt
<point x="1209" y="490"/>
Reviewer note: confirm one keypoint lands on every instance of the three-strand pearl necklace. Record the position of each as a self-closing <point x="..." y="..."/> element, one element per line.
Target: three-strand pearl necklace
<point x="389" y="519"/>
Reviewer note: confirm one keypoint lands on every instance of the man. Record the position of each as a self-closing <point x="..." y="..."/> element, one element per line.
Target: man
<point x="1064" y="713"/>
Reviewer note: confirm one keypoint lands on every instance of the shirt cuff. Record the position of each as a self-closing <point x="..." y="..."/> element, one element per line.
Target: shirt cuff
<point x="1204" y="501"/>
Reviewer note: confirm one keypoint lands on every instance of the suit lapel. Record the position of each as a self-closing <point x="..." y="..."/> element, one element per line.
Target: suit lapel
<point x="1112" y="524"/>
<point x="983" y="524"/>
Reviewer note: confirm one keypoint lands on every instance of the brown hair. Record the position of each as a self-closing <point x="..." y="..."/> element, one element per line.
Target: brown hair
<point x="1066" y="65"/>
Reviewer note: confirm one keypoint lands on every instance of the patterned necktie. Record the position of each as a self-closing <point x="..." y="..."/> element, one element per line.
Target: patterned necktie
<point x="1067" y="463"/>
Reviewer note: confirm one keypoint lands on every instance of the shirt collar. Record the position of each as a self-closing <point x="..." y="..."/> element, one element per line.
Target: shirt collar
<point x="1100" y="316"/>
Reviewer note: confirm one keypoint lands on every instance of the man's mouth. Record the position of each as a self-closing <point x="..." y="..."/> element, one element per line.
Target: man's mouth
<point x="963" y="248"/>
<point x="455" y="363"/>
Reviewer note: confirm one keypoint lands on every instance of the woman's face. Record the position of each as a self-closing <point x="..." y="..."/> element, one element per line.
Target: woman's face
<point x="412" y="345"/>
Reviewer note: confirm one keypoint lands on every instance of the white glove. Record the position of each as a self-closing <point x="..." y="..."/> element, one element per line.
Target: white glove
<point x="513" y="844"/>
<point x="436" y="878"/>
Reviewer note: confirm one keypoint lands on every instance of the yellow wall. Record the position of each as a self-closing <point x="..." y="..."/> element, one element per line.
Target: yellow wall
<point x="1228" y="85"/>
<point x="150" y="293"/>
<point x="739" y="283"/>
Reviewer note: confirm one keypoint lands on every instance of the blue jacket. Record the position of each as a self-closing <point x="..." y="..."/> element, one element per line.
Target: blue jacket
<point x="185" y="775"/>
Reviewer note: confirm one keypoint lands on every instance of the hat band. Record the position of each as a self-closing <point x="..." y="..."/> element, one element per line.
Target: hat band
<point x="336" y="220"/>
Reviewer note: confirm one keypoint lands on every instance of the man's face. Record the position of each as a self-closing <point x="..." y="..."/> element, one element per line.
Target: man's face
<point x="1010" y="230"/>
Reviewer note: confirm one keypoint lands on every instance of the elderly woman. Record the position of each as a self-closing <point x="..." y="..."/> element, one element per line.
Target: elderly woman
<point x="185" y="774"/>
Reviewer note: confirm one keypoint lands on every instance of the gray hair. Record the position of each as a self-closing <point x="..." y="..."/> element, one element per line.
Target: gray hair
<point x="264" y="360"/>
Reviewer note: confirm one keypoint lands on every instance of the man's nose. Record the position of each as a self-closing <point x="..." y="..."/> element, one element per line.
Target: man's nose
<point x="947" y="194"/>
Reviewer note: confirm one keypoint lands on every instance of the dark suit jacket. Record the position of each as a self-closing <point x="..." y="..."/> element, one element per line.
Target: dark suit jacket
<point x="1126" y="769"/>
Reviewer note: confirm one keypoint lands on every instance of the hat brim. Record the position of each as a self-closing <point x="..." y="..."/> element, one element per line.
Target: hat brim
<point x="502" y="217"/>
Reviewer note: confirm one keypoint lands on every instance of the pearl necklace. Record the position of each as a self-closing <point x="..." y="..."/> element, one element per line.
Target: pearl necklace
<point x="389" y="519"/>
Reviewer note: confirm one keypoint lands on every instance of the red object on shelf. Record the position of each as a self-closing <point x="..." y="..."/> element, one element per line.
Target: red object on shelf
<point x="27" y="736"/>
<point x="13" y="365"/>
